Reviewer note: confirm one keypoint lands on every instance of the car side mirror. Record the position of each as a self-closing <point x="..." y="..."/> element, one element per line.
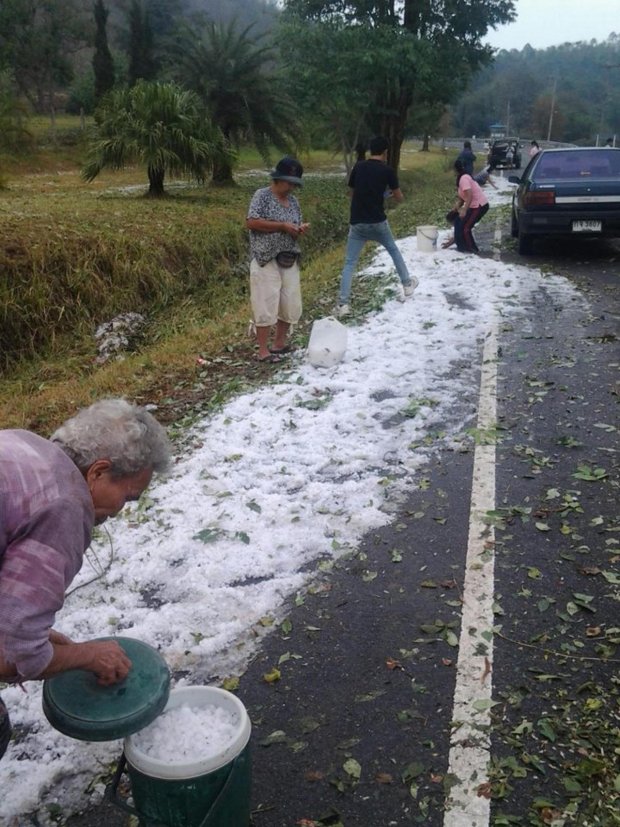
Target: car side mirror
<point x="514" y="179"/>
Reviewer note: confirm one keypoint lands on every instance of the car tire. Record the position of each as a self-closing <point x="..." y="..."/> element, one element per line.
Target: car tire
<point x="526" y="243"/>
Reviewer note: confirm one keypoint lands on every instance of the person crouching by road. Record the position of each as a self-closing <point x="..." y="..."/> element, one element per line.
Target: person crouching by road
<point x="471" y="206"/>
<point x="275" y="223"/>
<point x="483" y="178"/>
<point x="52" y="493"/>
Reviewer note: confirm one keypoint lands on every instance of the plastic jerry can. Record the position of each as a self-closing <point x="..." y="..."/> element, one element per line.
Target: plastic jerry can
<point x="328" y="342"/>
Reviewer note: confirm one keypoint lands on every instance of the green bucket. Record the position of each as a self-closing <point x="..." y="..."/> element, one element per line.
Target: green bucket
<point x="211" y="792"/>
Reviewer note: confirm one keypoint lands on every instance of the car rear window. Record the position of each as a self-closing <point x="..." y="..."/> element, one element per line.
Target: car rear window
<point x="582" y="164"/>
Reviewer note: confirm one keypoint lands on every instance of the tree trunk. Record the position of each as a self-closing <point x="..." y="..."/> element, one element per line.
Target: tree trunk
<point x="392" y="123"/>
<point x="425" y="142"/>
<point x="392" y="126"/>
<point x="222" y="172"/>
<point x="156" y="181"/>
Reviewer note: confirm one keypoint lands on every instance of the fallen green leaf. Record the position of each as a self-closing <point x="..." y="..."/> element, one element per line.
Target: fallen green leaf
<point x="352" y="768"/>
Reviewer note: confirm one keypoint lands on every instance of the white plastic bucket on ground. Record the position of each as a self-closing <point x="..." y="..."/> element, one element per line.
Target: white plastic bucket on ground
<point x="328" y="342"/>
<point x="211" y="792"/>
<point x="427" y="238"/>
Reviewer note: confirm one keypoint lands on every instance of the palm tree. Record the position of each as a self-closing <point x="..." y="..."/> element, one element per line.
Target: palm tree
<point x="235" y="79"/>
<point x="159" y="125"/>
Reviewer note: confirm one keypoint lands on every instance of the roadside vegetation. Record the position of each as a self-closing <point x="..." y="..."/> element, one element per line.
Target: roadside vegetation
<point x="75" y="255"/>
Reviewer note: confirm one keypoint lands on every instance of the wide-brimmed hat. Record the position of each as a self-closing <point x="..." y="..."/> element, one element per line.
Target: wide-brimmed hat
<point x="288" y="169"/>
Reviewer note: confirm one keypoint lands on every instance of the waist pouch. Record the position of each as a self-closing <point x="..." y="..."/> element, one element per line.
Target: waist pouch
<point x="287" y="258"/>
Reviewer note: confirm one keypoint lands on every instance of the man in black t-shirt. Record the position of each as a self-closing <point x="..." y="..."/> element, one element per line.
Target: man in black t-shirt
<point x="369" y="183"/>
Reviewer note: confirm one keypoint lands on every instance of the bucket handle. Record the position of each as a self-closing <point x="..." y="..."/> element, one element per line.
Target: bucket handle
<point x="113" y="796"/>
<point x="427" y="237"/>
<point x="213" y="809"/>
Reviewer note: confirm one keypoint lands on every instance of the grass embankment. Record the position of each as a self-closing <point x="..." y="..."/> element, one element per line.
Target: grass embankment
<point x="74" y="255"/>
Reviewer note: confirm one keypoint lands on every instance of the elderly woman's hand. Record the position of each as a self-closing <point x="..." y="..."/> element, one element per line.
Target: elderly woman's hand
<point x="107" y="660"/>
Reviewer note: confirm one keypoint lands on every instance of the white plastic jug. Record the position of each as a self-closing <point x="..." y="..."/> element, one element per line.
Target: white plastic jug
<point x="427" y="239"/>
<point x="328" y="342"/>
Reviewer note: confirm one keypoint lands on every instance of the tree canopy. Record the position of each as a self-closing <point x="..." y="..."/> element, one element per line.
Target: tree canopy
<point x="326" y="72"/>
<point x="425" y="50"/>
<point x="37" y="42"/>
<point x="234" y="75"/>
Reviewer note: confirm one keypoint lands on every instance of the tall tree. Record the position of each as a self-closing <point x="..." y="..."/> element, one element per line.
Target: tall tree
<point x="444" y="34"/>
<point x="14" y="136"/>
<point x="158" y="125"/>
<point x="234" y="76"/>
<point x="142" y="63"/>
<point x="356" y="63"/>
<point x="103" y="65"/>
<point x="38" y="39"/>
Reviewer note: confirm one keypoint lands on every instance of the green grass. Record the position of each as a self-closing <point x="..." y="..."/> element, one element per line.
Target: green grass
<point x="74" y="255"/>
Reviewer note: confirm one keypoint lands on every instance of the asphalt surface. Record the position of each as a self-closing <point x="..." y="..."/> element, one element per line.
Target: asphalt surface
<point x="367" y="657"/>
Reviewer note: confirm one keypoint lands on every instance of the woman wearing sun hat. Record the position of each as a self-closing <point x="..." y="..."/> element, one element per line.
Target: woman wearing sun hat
<point x="275" y="223"/>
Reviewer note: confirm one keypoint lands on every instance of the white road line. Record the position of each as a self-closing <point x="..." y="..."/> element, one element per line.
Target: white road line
<point x="497" y="237"/>
<point x="470" y="742"/>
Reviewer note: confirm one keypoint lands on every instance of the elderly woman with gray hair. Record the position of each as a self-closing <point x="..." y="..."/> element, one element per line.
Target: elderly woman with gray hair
<point x="52" y="492"/>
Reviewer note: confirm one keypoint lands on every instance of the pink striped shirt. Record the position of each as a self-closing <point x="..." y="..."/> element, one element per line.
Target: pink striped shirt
<point x="46" y="520"/>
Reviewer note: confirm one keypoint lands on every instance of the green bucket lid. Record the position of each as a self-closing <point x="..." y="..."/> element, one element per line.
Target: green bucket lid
<point x="76" y="705"/>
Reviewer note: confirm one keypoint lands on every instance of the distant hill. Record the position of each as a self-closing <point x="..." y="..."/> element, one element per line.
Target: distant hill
<point x="582" y="80"/>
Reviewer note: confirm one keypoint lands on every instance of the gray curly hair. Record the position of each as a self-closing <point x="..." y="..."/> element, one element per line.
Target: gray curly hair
<point x="113" y="429"/>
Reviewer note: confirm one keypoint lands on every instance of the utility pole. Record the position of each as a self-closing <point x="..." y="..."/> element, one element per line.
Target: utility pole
<point x="508" y="118"/>
<point x="607" y="95"/>
<point x="555" y="86"/>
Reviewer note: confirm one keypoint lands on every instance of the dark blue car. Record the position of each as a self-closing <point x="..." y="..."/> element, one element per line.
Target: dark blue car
<point x="573" y="191"/>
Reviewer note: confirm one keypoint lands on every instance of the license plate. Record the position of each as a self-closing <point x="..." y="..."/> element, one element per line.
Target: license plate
<point x="587" y="226"/>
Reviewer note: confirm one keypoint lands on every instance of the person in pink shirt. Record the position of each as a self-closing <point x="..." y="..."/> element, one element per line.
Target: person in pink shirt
<point x="472" y="205"/>
<point x="52" y="492"/>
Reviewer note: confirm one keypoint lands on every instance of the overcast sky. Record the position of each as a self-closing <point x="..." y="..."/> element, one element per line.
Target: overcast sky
<point x="543" y="23"/>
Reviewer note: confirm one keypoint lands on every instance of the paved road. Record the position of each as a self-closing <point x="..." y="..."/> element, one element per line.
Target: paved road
<point x="369" y="657"/>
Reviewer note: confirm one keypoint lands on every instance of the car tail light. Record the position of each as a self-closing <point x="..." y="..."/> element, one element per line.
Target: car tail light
<point x="539" y="198"/>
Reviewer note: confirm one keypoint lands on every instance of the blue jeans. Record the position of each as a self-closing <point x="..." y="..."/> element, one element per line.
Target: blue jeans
<point x="359" y="234"/>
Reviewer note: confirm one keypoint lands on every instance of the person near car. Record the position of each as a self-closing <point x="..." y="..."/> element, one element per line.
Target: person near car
<point x="534" y="149"/>
<point x="467" y="157"/>
<point x="483" y="178"/>
<point x="52" y="493"/>
<point x="370" y="182"/>
<point x="275" y="223"/>
<point x="471" y="206"/>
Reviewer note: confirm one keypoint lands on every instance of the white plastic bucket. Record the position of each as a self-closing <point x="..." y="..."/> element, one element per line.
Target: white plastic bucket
<point x="211" y="792"/>
<point x="427" y="238"/>
<point x="328" y="342"/>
